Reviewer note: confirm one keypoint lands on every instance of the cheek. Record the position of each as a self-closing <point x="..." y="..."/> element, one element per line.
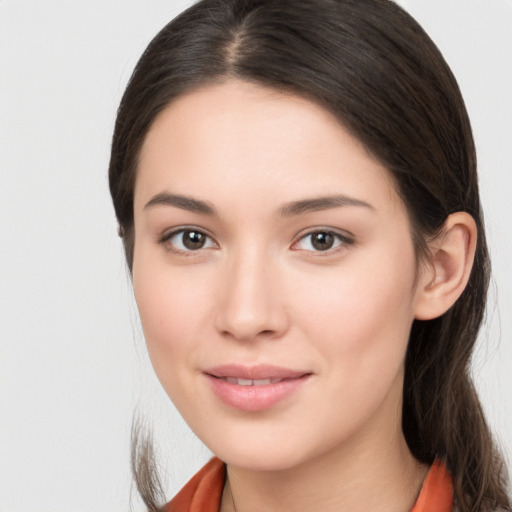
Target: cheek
<point x="361" y="319"/>
<point x="171" y="310"/>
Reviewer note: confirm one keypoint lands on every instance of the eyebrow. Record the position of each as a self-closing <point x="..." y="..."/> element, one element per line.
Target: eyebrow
<point x="321" y="203"/>
<point x="183" y="202"/>
<point x="288" y="210"/>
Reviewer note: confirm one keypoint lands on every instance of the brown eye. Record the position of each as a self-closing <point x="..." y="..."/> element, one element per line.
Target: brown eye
<point x="322" y="241"/>
<point x="193" y="240"/>
<point x="186" y="240"/>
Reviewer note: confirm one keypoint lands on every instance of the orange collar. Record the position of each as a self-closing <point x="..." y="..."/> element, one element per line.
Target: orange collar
<point x="436" y="494"/>
<point x="203" y="492"/>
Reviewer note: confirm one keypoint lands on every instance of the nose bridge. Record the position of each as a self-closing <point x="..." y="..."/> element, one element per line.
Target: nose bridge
<point x="250" y="304"/>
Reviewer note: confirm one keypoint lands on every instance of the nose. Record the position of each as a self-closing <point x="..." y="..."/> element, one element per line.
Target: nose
<point x="251" y="304"/>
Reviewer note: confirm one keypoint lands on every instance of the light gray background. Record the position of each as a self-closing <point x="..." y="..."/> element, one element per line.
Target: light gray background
<point x="72" y="360"/>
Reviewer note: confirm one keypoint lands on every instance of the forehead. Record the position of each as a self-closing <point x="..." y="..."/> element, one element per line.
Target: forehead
<point x="248" y="138"/>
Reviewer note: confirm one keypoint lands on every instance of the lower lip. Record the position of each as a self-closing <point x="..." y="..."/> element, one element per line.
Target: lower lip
<point x="255" y="398"/>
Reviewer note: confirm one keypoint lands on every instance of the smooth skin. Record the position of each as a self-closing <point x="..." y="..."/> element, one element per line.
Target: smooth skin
<point x="237" y="262"/>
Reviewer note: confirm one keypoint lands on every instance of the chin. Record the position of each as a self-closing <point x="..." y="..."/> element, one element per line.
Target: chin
<point x="263" y="451"/>
<point x="267" y="460"/>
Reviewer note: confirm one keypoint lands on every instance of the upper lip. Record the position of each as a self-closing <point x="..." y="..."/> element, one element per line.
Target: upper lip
<point x="262" y="371"/>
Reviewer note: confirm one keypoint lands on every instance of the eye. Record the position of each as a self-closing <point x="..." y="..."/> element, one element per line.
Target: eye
<point x="322" y="241"/>
<point x="187" y="240"/>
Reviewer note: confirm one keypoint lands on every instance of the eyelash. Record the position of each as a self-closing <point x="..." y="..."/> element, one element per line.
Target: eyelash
<point x="343" y="240"/>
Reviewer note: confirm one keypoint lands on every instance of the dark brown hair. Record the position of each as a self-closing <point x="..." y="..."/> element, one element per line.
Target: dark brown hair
<point x="371" y="65"/>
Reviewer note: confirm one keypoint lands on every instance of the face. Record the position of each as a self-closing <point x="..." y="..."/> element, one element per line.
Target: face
<point x="274" y="273"/>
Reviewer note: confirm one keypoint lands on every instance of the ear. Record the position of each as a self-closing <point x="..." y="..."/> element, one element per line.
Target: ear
<point x="445" y="276"/>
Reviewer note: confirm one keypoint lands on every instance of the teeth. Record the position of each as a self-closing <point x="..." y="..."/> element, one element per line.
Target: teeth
<point x="261" y="382"/>
<point x="251" y="382"/>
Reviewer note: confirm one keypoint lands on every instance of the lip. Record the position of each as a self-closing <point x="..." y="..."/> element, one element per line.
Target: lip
<point x="283" y="383"/>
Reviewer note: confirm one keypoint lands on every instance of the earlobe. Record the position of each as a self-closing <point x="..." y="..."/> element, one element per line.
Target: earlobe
<point x="443" y="280"/>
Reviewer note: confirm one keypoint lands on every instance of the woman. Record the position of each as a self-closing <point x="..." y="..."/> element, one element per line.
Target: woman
<point x="295" y="184"/>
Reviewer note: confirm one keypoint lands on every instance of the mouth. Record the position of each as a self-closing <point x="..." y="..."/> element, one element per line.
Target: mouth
<point x="249" y="382"/>
<point x="254" y="388"/>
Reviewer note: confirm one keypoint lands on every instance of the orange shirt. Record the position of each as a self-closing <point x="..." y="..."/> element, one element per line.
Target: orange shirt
<point x="203" y="492"/>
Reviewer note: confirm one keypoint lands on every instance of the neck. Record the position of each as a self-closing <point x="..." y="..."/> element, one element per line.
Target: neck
<point x="364" y="476"/>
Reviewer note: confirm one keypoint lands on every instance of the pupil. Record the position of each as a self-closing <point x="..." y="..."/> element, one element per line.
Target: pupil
<point x="322" y="241"/>
<point x="193" y="240"/>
